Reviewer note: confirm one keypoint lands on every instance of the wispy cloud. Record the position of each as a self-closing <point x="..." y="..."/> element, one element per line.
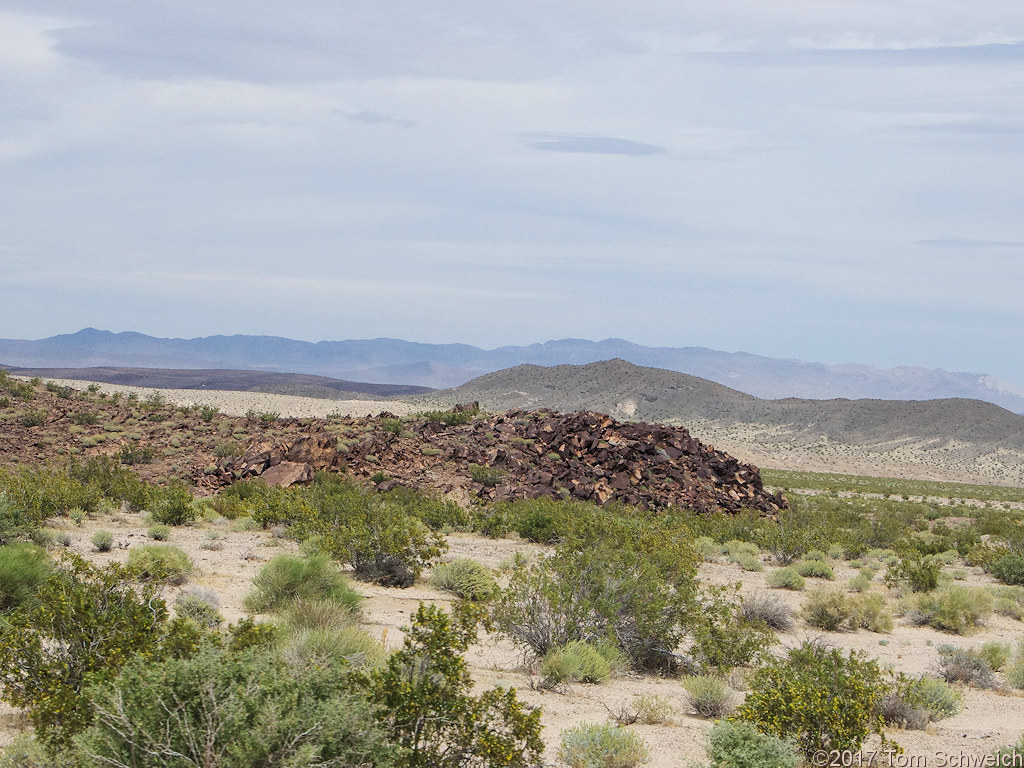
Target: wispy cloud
<point x="590" y="144"/>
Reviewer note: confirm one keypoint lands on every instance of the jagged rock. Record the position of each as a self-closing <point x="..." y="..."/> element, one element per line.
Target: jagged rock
<point x="288" y="473"/>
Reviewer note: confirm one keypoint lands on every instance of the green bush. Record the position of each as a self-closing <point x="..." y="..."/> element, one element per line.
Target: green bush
<point x="173" y="506"/>
<point x="785" y="578"/>
<point x="24" y="567"/>
<point x="136" y="454"/>
<point x="827" y="609"/>
<point x="814" y="569"/>
<point x="960" y="666"/>
<point x="954" y="609"/>
<point x="160" y="563"/>
<point x="200" y="608"/>
<point x="995" y="653"/>
<point x="1009" y="568"/>
<point x="723" y="635"/>
<point x="817" y="697"/>
<point x="626" y="580"/>
<point x="233" y="710"/>
<point x="919" y="572"/>
<point x="379" y="535"/>
<point x="466" y="578"/>
<point x="159" y="532"/>
<point x="577" y="662"/>
<point x="28" y="752"/>
<point x="287" y="578"/>
<point x="1015" y="673"/>
<point x="337" y="646"/>
<point x="870" y="612"/>
<point x="423" y="699"/>
<point x="709" y="695"/>
<point x="486" y="476"/>
<point x="651" y="709"/>
<point x="913" y="703"/>
<point x="103" y="541"/>
<point x="602" y="746"/>
<point x="84" y="623"/>
<point x="741" y="745"/>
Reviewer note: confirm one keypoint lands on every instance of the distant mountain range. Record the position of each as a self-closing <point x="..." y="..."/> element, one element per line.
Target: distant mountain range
<point x="393" y="361"/>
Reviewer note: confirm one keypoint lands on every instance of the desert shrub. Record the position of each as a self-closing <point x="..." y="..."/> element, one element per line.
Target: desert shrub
<point x="577" y="662"/>
<point x="601" y="746"/>
<point x="321" y="613"/>
<point x="861" y="582"/>
<point x="173" y="505"/>
<point x="265" y="416"/>
<point x="723" y="636"/>
<point x="33" y="418"/>
<point x="14" y="522"/>
<point x="913" y="703"/>
<point x="626" y="580"/>
<point x="919" y="572"/>
<point x="959" y="666"/>
<point x="379" y="535"/>
<point x="651" y="709"/>
<point x="199" y="607"/>
<point x="748" y="562"/>
<point x="486" y="476"/>
<point x="85" y="418"/>
<point x="814" y="569"/>
<point x="36" y="493"/>
<point x="953" y="609"/>
<point x="160" y="563"/>
<point x="1009" y="568"/>
<point x="451" y="418"/>
<point x="708" y="695"/>
<point x="785" y="578"/>
<point x="228" y="449"/>
<point x="103" y="541"/>
<point x="207" y="412"/>
<point x="870" y="612"/>
<point x="1008" y="607"/>
<point x="739" y="745"/>
<point x="112" y="481"/>
<point x="335" y="646"/>
<point x="232" y="710"/>
<point x="466" y="578"/>
<point x="817" y="697"/>
<point x="1015" y="672"/>
<point x="24" y="567"/>
<point x="287" y="578"/>
<point x="423" y="698"/>
<point x="159" y="532"/>
<point x="995" y="653"/>
<point x="768" y="609"/>
<point x="84" y="623"/>
<point x="827" y="609"/>
<point x="26" y="751"/>
<point x="135" y="454"/>
<point x="1009" y="754"/>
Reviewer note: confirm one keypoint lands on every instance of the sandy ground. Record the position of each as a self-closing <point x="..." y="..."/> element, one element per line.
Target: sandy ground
<point x="239" y="403"/>
<point x="226" y="560"/>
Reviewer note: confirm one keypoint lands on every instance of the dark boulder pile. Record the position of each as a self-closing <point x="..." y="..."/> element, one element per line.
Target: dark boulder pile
<point x="518" y="454"/>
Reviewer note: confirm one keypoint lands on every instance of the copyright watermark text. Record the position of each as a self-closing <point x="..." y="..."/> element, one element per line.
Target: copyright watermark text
<point x="890" y="758"/>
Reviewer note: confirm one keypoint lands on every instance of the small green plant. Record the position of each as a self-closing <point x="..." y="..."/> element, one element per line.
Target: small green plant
<point x="785" y="578"/>
<point x="103" y="541"/>
<point x="957" y="665"/>
<point x="34" y="418"/>
<point x="1009" y="568"/>
<point x="919" y="572"/>
<point x="85" y="418"/>
<point x="24" y="567"/>
<point x="466" y="578"/>
<point x="996" y="654"/>
<point x="575" y="662"/>
<point x="160" y="563"/>
<point x="207" y="412"/>
<point x="173" y="506"/>
<point x="200" y="607"/>
<point x="159" y="532"/>
<point x="652" y="709"/>
<point x="954" y="609"/>
<point x="814" y="569"/>
<point x="602" y="746"/>
<point x="228" y="449"/>
<point x="287" y="578"/>
<point x="741" y="745"/>
<point x="827" y="609"/>
<point x="709" y="695"/>
<point x="486" y="476"/>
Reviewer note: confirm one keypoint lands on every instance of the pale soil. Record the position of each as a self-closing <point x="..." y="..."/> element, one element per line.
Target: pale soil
<point x="990" y="719"/>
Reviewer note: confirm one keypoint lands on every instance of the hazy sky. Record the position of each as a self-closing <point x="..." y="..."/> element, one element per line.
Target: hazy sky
<point x="832" y="181"/>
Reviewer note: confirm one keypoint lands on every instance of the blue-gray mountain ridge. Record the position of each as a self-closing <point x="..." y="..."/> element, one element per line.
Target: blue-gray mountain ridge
<point x="394" y="361"/>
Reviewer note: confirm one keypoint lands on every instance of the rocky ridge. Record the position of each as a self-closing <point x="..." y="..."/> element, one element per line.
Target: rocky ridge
<point x="515" y="455"/>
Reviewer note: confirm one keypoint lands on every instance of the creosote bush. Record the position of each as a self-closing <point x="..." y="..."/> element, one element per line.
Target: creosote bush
<point x="817" y="697"/>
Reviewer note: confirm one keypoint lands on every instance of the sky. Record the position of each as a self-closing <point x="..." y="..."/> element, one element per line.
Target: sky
<point x="837" y="181"/>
